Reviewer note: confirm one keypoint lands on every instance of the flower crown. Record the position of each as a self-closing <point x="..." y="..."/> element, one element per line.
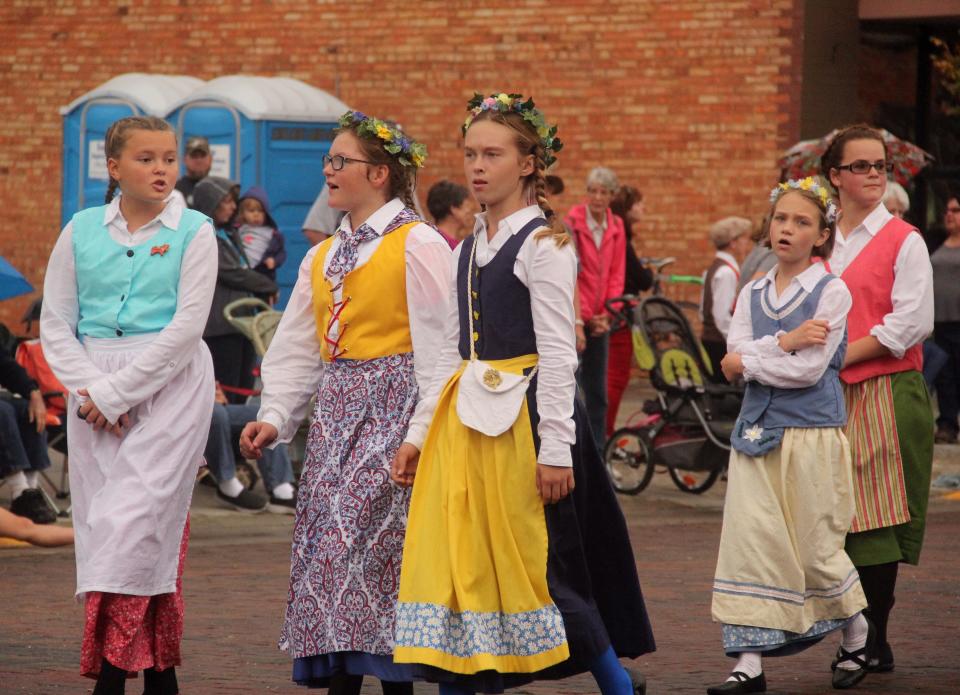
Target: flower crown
<point x="831" y="211"/>
<point x="507" y="103"/>
<point x="408" y="152"/>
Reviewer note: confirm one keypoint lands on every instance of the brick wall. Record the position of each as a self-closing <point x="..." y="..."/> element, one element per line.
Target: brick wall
<point x="689" y="101"/>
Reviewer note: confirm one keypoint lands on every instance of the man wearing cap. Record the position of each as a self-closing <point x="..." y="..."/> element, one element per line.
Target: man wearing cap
<point x="197" y="160"/>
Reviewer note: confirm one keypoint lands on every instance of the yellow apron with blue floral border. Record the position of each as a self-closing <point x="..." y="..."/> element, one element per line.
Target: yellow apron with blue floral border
<point x="473" y="585"/>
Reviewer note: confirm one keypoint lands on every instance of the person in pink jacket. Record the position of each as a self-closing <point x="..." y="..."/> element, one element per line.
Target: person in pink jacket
<point x="601" y="244"/>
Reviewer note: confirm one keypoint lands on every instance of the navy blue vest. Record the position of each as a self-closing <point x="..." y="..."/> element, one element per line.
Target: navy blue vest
<point x="503" y="320"/>
<point x="767" y="410"/>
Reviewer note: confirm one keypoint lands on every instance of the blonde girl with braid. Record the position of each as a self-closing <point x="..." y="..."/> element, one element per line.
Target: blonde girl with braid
<point x="517" y="564"/>
<point x="362" y="331"/>
<point x="126" y="296"/>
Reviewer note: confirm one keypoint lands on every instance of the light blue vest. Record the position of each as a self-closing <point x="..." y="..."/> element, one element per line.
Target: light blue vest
<point x="767" y="410"/>
<point x="123" y="290"/>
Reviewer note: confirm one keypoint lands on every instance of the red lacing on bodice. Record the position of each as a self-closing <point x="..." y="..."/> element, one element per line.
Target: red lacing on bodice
<point x="336" y="309"/>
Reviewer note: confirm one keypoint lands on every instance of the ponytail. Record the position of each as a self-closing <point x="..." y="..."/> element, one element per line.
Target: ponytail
<point x="555" y="229"/>
<point x="111" y="190"/>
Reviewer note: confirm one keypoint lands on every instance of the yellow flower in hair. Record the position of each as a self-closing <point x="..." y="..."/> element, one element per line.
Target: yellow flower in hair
<point x="417" y="159"/>
<point x="503" y="99"/>
<point x="784" y="186"/>
<point x="807" y="183"/>
<point x="384" y="133"/>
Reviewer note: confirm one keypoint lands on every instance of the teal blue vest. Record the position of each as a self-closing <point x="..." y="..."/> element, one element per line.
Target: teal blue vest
<point x="127" y="290"/>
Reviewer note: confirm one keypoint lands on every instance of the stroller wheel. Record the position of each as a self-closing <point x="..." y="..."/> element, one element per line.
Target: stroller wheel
<point x="694" y="482"/>
<point x="627" y="458"/>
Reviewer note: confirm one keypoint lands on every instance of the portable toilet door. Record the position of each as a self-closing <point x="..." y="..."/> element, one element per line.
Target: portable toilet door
<point x="273" y="133"/>
<point x="85" y="124"/>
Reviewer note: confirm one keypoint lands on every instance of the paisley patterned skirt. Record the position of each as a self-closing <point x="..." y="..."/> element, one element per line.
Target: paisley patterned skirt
<point x="350" y="522"/>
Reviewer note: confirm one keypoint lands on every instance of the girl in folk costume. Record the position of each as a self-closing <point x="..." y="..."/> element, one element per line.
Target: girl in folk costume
<point x="517" y="563"/>
<point x="362" y="330"/>
<point x="885" y="264"/>
<point x="783" y="580"/>
<point x="126" y="296"/>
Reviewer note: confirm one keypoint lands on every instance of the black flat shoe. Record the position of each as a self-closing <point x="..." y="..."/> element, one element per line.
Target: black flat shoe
<point x="638" y="681"/>
<point x="742" y="684"/>
<point x="843" y="678"/>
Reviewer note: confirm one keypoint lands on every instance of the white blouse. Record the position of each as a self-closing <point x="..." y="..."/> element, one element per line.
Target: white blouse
<point x="292" y="367"/>
<point x="115" y="394"/>
<point x="911" y="320"/>
<point x="549" y="272"/>
<point x="723" y="291"/>
<point x="763" y="359"/>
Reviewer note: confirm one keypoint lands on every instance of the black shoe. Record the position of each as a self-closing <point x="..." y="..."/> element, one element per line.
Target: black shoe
<point x="246" y="501"/>
<point x="32" y="504"/>
<point x="278" y="505"/>
<point x="111" y="681"/>
<point x="160" y="682"/>
<point x="638" y="682"/>
<point x="742" y="684"/>
<point x="847" y="678"/>
<point x="881" y="661"/>
<point x="945" y="435"/>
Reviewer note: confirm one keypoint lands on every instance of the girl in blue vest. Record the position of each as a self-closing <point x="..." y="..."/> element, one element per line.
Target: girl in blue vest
<point x="126" y="295"/>
<point x="361" y="332"/>
<point x="517" y="564"/>
<point x="783" y="579"/>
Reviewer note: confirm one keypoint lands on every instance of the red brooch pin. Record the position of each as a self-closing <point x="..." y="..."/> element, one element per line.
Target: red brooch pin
<point x="159" y="250"/>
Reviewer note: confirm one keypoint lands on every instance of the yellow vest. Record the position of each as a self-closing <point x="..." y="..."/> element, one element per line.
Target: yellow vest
<point x="374" y="321"/>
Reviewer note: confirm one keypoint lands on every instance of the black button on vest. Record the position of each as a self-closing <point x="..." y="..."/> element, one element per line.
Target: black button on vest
<point x="130" y="254"/>
<point x="119" y="332"/>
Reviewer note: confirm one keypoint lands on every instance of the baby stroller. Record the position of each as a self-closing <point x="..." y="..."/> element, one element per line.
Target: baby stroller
<point x="687" y="427"/>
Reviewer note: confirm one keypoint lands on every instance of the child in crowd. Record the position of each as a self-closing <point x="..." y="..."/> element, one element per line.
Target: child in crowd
<point x="517" y="563"/>
<point x="884" y="262"/>
<point x="783" y="580"/>
<point x="731" y="237"/>
<point x="262" y="240"/>
<point x="362" y="330"/>
<point x="126" y="295"/>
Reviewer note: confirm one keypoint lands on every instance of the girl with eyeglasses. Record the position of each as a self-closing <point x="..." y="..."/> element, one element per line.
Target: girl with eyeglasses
<point x="361" y="331"/>
<point x="885" y="264"/>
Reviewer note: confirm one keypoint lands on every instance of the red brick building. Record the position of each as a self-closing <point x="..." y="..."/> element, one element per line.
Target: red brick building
<point x="691" y="101"/>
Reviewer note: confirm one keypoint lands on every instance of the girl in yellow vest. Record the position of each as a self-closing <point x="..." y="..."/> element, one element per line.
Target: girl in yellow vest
<point x="517" y="564"/>
<point x="361" y="331"/>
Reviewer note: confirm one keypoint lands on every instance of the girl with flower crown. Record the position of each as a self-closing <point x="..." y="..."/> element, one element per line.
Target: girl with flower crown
<point x="517" y="563"/>
<point x="783" y="580"/>
<point x="362" y="331"/>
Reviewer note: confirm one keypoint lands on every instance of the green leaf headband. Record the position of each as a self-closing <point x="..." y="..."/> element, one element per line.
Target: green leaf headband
<point x="831" y="211"/>
<point x="514" y="103"/>
<point x="407" y="151"/>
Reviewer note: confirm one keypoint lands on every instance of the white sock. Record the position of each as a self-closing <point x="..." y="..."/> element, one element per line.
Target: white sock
<point x="18" y="483"/>
<point x="854" y="638"/>
<point x="232" y="487"/>
<point x="749" y="663"/>
<point x="33" y="478"/>
<point x="283" y="491"/>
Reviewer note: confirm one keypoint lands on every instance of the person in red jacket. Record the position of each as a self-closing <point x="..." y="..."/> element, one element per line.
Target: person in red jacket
<point x="601" y="243"/>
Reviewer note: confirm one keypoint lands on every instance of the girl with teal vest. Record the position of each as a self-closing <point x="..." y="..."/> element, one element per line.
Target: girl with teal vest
<point x="126" y="296"/>
<point x="783" y="580"/>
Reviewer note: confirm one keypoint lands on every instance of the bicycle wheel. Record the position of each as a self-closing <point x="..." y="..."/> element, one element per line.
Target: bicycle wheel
<point x="627" y="458"/>
<point x="694" y="482"/>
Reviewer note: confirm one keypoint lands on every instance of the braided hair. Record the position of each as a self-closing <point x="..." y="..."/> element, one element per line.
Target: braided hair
<point x="118" y="134"/>
<point x="528" y="143"/>
<point x="402" y="179"/>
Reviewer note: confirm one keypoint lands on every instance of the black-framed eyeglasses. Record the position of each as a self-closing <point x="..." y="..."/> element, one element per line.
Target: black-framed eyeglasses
<point x="862" y="166"/>
<point x="337" y="161"/>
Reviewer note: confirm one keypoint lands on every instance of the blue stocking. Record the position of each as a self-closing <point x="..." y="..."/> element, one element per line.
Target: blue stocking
<point x="454" y="689"/>
<point x="610" y="675"/>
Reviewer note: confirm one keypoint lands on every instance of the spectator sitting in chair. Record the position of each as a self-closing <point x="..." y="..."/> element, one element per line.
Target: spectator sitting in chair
<point x="275" y="468"/>
<point x="23" y="423"/>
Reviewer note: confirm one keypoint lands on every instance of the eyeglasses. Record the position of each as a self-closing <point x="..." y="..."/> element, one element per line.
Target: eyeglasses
<point x="338" y="161"/>
<point x="862" y="166"/>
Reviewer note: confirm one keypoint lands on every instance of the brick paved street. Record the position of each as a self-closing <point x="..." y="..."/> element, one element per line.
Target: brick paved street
<point x="235" y="585"/>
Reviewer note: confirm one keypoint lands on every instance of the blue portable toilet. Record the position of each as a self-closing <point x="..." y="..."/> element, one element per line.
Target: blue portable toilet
<point x="270" y="132"/>
<point x="85" y="123"/>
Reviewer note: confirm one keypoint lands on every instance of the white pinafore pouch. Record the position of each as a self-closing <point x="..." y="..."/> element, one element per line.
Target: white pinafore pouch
<point x="488" y="399"/>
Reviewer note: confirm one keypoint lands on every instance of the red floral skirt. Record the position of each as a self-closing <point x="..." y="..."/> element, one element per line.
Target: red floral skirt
<point x="134" y="632"/>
